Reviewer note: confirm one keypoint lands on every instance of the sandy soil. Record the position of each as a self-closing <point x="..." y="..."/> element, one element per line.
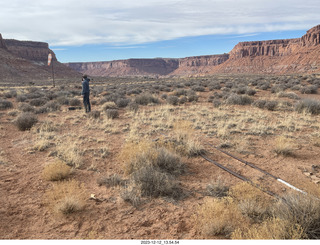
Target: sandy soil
<point x="22" y="187"/>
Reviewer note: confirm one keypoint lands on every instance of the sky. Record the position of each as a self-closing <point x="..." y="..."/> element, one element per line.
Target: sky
<point x="104" y="30"/>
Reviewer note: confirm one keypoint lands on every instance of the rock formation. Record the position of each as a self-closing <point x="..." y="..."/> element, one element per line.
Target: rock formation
<point x="130" y="67"/>
<point x="27" y="61"/>
<point x="300" y="55"/>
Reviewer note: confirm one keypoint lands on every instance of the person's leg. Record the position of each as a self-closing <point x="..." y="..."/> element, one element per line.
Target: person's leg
<point x="88" y="103"/>
<point x="85" y="102"/>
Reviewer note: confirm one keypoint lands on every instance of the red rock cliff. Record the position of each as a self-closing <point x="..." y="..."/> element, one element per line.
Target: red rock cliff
<point x="130" y="67"/>
<point x="300" y="55"/>
<point x="35" y="51"/>
<point x="27" y="60"/>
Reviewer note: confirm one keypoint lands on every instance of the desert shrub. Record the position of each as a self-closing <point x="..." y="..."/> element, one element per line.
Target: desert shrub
<point x="192" y="96"/>
<point x="168" y="162"/>
<point x="25" y="121"/>
<point x="70" y="154"/>
<point x="109" y="105"/>
<point x="35" y="95"/>
<point x="283" y="146"/>
<point x="229" y="85"/>
<point x="112" y="180"/>
<point x="309" y="106"/>
<point x="239" y="90"/>
<point x="94" y="114"/>
<point x="218" y="217"/>
<point x="290" y="95"/>
<point x="216" y="103"/>
<point x="5" y="104"/>
<point x="24" y="107"/>
<point x="183" y="100"/>
<point x="271" y="105"/>
<point x="58" y="170"/>
<point x="37" y="102"/>
<point x="311" y="89"/>
<point x="51" y="95"/>
<point x="52" y="106"/>
<point x="153" y="182"/>
<point x="259" y="103"/>
<point x="173" y="100"/>
<point x="217" y="188"/>
<point x="66" y="197"/>
<point x="180" y="92"/>
<point x="300" y="209"/>
<point x="112" y="113"/>
<point x="251" y="202"/>
<point x="63" y="100"/>
<point x="198" y="88"/>
<point x="121" y="103"/>
<point x="272" y="228"/>
<point x="263" y="85"/>
<point x="214" y="85"/>
<point x="164" y="96"/>
<point x="184" y="141"/>
<point x="21" y="98"/>
<point x="133" y="106"/>
<point x="235" y="99"/>
<point x="146" y="99"/>
<point x="250" y="91"/>
<point x="277" y="88"/>
<point x="131" y="195"/>
<point x="11" y="94"/>
<point x="74" y="102"/>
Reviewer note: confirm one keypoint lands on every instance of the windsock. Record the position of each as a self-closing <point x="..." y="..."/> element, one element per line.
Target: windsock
<point x="49" y="59"/>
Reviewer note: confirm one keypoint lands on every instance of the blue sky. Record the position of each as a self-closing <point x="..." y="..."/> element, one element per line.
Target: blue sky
<point x="103" y="30"/>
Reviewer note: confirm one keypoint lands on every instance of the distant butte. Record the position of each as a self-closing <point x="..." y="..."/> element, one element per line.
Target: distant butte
<point x="27" y="61"/>
<point x="288" y="56"/>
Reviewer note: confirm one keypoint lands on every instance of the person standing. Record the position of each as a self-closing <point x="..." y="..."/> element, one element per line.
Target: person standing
<point x="86" y="93"/>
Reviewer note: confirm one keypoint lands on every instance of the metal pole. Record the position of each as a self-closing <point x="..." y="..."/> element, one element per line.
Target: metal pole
<point x="53" y="75"/>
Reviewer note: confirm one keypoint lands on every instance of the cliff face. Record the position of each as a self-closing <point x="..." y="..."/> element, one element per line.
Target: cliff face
<point x="143" y="67"/>
<point x="2" y="43"/>
<point x="27" y="61"/>
<point x="131" y="67"/>
<point x="35" y="51"/>
<point x="300" y="55"/>
<point x="199" y="64"/>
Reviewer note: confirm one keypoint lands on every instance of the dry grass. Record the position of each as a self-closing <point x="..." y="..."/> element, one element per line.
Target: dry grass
<point x="303" y="210"/>
<point x="70" y="153"/>
<point x="273" y="228"/>
<point x="66" y="197"/>
<point x="55" y="171"/>
<point x="219" y="217"/>
<point x="252" y="202"/>
<point x="284" y="146"/>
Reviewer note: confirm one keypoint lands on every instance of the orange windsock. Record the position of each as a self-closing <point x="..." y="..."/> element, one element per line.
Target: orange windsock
<point x="49" y="59"/>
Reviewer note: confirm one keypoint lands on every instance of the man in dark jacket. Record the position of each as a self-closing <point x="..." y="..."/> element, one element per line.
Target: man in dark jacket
<point x="86" y="93"/>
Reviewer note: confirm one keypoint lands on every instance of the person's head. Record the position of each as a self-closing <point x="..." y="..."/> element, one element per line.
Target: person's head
<point x="84" y="76"/>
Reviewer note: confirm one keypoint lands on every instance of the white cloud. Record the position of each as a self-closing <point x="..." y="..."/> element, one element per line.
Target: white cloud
<point x="127" y="22"/>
